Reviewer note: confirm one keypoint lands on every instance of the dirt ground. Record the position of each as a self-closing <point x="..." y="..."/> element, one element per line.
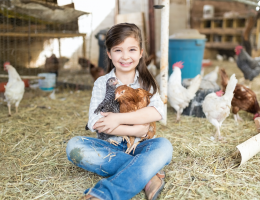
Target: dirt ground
<point x="34" y="165"/>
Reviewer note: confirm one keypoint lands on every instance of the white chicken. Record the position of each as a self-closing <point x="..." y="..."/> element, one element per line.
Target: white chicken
<point x="213" y="75"/>
<point x="14" y="89"/>
<point x="179" y="97"/>
<point x="217" y="107"/>
<point x="152" y="68"/>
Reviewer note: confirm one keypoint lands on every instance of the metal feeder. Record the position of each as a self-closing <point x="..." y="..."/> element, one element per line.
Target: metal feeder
<point x="158" y="6"/>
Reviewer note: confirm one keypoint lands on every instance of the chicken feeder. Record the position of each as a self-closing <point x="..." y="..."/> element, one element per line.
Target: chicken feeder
<point x="49" y="83"/>
<point x="187" y="46"/>
<point x="195" y="105"/>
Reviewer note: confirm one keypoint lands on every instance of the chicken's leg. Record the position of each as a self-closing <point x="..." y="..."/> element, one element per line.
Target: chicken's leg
<point x="237" y="118"/>
<point x="9" y="109"/>
<point x="16" y="109"/>
<point x="178" y="116"/>
<point x="218" y="134"/>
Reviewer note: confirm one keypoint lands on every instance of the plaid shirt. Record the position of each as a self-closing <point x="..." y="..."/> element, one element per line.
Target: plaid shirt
<point x="99" y="91"/>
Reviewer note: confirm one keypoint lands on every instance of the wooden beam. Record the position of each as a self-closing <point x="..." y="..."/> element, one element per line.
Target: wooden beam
<point x="84" y="47"/>
<point x="48" y="35"/>
<point x="221" y="45"/>
<point x="152" y="29"/>
<point x="59" y="47"/>
<point x="24" y="77"/>
<point x="224" y="31"/>
<point x="116" y="11"/>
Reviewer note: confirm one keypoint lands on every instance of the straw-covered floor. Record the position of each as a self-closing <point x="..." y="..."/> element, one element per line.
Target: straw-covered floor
<point x="34" y="165"/>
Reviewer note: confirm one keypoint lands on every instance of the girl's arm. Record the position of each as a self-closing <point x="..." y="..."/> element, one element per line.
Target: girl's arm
<point x="98" y="94"/>
<point x="123" y="130"/>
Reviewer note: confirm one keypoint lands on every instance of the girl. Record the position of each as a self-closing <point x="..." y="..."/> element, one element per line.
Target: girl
<point x="127" y="174"/>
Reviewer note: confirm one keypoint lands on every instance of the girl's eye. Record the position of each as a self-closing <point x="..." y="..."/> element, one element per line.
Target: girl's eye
<point x="117" y="50"/>
<point x="132" y="49"/>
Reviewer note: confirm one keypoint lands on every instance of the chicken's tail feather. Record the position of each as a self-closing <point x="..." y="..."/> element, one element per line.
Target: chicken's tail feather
<point x="231" y="87"/>
<point x="224" y="79"/>
<point x="194" y="86"/>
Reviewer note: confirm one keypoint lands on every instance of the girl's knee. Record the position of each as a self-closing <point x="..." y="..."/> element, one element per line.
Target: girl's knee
<point x="165" y="144"/>
<point x="75" y="143"/>
<point x="72" y="143"/>
<point x="166" y="148"/>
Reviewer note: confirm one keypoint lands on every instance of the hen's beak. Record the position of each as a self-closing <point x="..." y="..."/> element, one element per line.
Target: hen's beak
<point x="116" y="82"/>
<point x="5" y="69"/>
<point x="117" y="96"/>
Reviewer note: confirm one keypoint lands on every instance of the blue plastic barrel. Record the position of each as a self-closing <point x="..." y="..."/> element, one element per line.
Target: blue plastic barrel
<point x="190" y="52"/>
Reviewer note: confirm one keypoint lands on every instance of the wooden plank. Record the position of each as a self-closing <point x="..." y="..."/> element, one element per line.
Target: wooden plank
<point x="257" y="32"/>
<point x="116" y="10"/>
<point x="152" y="29"/>
<point x="224" y="25"/>
<point x="221" y="45"/>
<point x="235" y="23"/>
<point x="222" y="18"/>
<point x="84" y="47"/>
<point x="220" y="31"/>
<point x="48" y="35"/>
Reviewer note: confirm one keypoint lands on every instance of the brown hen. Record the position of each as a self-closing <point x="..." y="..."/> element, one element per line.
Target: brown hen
<point x="131" y="100"/>
<point x="244" y="98"/>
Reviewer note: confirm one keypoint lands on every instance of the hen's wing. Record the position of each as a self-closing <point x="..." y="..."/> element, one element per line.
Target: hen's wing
<point x="177" y="95"/>
<point x="144" y="98"/>
<point x="107" y="106"/>
<point x="14" y="91"/>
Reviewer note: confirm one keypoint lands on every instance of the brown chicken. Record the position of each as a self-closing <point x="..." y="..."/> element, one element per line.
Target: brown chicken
<point x="244" y="98"/>
<point x="131" y="100"/>
<point x="95" y="71"/>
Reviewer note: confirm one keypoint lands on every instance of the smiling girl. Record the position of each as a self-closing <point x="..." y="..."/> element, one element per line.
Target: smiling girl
<point x="126" y="174"/>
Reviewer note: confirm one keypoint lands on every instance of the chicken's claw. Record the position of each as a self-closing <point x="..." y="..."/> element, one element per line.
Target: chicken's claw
<point x="112" y="142"/>
<point x="132" y="148"/>
<point x="125" y="138"/>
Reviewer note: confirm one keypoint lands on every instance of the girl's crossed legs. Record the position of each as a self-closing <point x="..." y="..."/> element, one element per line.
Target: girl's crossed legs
<point x="127" y="173"/>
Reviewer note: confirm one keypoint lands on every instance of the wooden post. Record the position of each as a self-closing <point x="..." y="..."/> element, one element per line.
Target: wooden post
<point x="84" y="46"/>
<point x="59" y="47"/>
<point x="116" y="10"/>
<point x="257" y="33"/>
<point x="152" y="29"/>
<point x="164" y="55"/>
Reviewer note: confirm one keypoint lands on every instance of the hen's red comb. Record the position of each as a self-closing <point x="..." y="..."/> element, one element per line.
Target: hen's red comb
<point x="178" y="64"/>
<point x="256" y="115"/>
<point x="6" y="63"/>
<point x="239" y="47"/>
<point x="219" y="93"/>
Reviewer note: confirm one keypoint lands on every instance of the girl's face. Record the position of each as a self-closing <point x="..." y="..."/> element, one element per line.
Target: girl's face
<point x="126" y="55"/>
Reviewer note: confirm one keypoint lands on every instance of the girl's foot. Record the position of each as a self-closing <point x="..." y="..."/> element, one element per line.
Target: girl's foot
<point x="89" y="197"/>
<point x="154" y="187"/>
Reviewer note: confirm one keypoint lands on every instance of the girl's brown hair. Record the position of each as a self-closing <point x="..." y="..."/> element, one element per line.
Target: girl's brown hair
<point x="115" y="36"/>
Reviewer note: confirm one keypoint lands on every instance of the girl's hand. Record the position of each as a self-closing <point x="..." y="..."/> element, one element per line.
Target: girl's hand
<point x="141" y="130"/>
<point x="107" y="123"/>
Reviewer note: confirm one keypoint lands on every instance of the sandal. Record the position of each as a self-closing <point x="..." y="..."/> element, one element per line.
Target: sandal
<point x="153" y="188"/>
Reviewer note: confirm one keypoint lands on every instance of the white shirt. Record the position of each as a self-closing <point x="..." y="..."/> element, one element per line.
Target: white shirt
<point x="99" y="91"/>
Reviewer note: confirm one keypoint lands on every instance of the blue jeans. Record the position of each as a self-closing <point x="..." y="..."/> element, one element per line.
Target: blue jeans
<point x="127" y="174"/>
